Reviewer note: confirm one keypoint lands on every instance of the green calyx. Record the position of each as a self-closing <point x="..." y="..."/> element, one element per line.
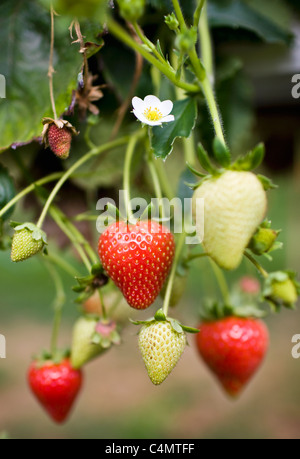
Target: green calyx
<point x="172" y="22"/>
<point x="264" y="240"/>
<point x="46" y="356"/>
<point x="281" y="289"/>
<point x="222" y="162"/>
<point x="214" y="310"/>
<point x="160" y="317"/>
<point x="28" y="240"/>
<point x="87" y="285"/>
<point x="186" y="40"/>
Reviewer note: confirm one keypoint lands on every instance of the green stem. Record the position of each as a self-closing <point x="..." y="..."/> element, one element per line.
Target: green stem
<point x="156" y="182"/>
<point x="179" y="14"/>
<point x="63" y="264"/>
<point x="195" y="61"/>
<point x="164" y="179"/>
<point x="103" y="308"/>
<point x="61" y="223"/>
<point x="148" y="42"/>
<point x="206" y="84"/>
<point x="221" y="281"/>
<point x="213" y="109"/>
<point x="205" y="43"/>
<point x="262" y="271"/>
<point x="195" y="256"/>
<point x="29" y="189"/>
<point x="76" y="165"/>
<point x="82" y="241"/>
<point x="166" y="69"/>
<point x="58" y="305"/>
<point x="198" y="11"/>
<point x="126" y="178"/>
<point x="173" y="273"/>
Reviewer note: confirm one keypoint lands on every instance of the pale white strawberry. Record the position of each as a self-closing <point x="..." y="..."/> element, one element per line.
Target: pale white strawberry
<point x="235" y="203"/>
<point x="161" y="348"/>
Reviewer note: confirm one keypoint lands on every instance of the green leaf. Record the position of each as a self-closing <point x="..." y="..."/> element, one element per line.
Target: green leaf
<point x="185" y="113"/>
<point x="25" y="41"/>
<point x="239" y="14"/>
<point x="221" y="153"/>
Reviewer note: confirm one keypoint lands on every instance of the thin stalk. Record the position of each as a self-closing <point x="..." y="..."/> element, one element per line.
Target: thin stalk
<point x="156" y="183"/>
<point x="59" y="301"/>
<point x="205" y="42"/>
<point x="221" y="281"/>
<point x="50" y="68"/>
<point x="262" y="271"/>
<point x="72" y="169"/>
<point x="63" y="264"/>
<point x="213" y="109"/>
<point x="55" y="214"/>
<point x="170" y="73"/>
<point x="126" y="178"/>
<point x="164" y="179"/>
<point x="147" y="42"/>
<point x="173" y="273"/>
<point x="198" y="11"/>
<point x="29" y="189"/>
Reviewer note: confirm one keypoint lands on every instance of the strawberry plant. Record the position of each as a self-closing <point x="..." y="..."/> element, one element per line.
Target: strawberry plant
<point x="187" y="188"/>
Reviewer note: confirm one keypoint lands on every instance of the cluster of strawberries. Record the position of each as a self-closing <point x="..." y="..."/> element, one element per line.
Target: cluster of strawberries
<point x="138" y="258"/>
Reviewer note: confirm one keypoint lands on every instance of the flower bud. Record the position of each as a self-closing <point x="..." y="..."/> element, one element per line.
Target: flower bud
<point x="186" y="40"/>
<point x="172" y="21"/>
<point x="131" y="10"/>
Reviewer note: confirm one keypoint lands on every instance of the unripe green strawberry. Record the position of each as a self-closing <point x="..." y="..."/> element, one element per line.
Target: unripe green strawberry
<point x="263" y="240"/>
<point x="83" y="350"/>
<point x="281" y="288"/>
<point x="28" y="240"/>
<point x="234" y="205"/>
<point x="91" y="338"/>
<point x="161" y="348"/>
<point x="285" y="291"/>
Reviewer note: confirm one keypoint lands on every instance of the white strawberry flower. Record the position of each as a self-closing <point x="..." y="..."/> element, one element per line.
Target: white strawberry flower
<point x="152" y="111"/>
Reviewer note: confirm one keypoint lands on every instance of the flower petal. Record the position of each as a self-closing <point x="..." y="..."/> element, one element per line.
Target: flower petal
<point x="166" y="107"/>
<point x="137" y="103"/>
<point x="152" y="101"/>
<point x="139" y="115"/>
<point x="168" y="118"/>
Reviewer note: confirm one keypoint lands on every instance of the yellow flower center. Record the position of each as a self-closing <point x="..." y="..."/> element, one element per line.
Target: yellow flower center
<point x="153" y="114"/>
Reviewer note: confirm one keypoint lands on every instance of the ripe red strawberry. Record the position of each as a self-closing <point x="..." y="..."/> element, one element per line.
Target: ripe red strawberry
<point x="233" y="348"/>
<point x="138" y="259"/>
<point x="55" y="386"/>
